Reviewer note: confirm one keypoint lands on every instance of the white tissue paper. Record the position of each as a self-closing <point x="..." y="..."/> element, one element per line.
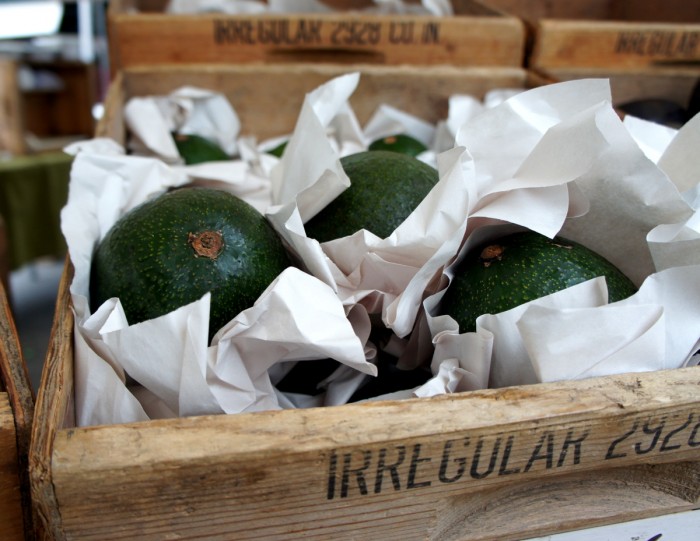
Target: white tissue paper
<point x="556" y="159"/>
<point x="572" y="167"/>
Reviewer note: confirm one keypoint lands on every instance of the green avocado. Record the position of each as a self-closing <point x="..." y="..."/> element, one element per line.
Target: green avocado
<point x="171" y="250"/>
<point x="197" y="149"/>
<point x="385" y="188"/>
<point x="522" y="267"/>
<point x="402" y="143"/>
<point x="279" y="149"/>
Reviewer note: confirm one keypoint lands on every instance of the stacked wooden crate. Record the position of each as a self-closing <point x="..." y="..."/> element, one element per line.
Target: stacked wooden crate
<point x="648" y="49"/>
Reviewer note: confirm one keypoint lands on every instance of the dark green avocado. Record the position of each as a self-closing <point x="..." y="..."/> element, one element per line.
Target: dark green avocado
<point x="279" y="149"/>
<point x="402" y="143"/>
<point x="385" y="188"/>
<point x="197" y="149"/>
<point x="522" y="267"/>
<point x="171" y="250"/>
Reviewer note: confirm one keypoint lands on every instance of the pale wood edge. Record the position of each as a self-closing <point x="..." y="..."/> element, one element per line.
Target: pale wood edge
<point x="11" y="113"/>
<point x="111" y="124"/>
<point x="15" y="379"/>
<point x="50" y="410"/>
<point x="573" y="502"/>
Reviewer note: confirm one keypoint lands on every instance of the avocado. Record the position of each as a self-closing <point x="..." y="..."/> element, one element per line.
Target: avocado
<point x="197" y="149"/>
<point x="171" y="250"/>
<point x="405" y="144"/>
<point x="385" y="188"/>
<point x="279" y="149"/>
<point x="519" y="268"/>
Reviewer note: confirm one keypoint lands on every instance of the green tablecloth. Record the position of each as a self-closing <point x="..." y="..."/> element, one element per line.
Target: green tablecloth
<point x="33" y="190"/>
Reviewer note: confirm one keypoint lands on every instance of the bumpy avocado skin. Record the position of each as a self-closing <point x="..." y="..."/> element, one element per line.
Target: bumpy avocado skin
<point x="385" y="188"/>
<point x="402" y="143"/>
<point x="197" y="149"/>
<point x="519" y="268"/>
<point x="148" y="259"/>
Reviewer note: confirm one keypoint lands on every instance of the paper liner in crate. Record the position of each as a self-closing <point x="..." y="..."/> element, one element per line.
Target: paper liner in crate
<point x="555" y="136"/>
<point x="554" y="160"/>
<point x="641" y="199"/>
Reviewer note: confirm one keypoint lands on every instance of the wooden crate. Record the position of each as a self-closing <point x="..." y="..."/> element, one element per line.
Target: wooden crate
<point x="11" y="116"/>
<point x="487" y="465"/>
<point x="608" y="33"/>
<point x="44" y="119"/>
<point x="141" y="32"/>
<point x="16" y="411"/>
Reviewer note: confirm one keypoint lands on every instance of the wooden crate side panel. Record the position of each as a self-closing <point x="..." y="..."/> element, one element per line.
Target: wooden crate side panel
<point x="572" y="502"/>
<point x="16" y="385"/>
<point x="268" y="98"/>
<point x="562" y="43"/>
<point x="11" y="115"/>
<point x="11" y="505"/>
<point x="53" y="409"/>
<point x="396" y="470"/>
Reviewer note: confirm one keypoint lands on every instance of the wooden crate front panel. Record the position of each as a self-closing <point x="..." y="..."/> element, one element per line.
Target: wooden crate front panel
<point x="268" y="98"/>
<point x="626" y="34"/>
<point x="474" y="36"/>
<point x="411" y="469"/>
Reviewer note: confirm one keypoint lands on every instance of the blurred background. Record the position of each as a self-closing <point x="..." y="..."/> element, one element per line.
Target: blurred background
<point x="54" y="72"/>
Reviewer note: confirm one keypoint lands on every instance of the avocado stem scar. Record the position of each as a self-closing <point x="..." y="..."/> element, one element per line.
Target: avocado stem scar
<point x="207" y="244"/>
<point x="490" y="253"/>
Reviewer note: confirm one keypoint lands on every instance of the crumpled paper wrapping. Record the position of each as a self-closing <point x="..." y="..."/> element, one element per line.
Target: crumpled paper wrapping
<point x="176" y="371"/>
<point x="556" y="159"/>
<point x="637" y="207"/>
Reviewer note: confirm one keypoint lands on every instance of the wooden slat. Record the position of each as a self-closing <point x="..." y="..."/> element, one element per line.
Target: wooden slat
<point x="399" y="469"/>
<point x="474" y="36"/>
<point x="17" y="418"/>
<point x="53" y="409"/>
<point x="11" y="115"/>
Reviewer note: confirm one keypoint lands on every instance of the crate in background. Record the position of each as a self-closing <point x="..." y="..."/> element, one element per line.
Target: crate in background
<point x="44" y="104"/>
<point x="268" y="98"/>
<point x="608" y="33"/>
<point x="499" y="464"/>
<point x="141" y="32"/>
<point x="16" y="411"/>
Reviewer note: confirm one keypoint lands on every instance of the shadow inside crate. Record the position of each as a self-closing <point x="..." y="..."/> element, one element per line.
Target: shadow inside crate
<point x="33" y="290"/>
